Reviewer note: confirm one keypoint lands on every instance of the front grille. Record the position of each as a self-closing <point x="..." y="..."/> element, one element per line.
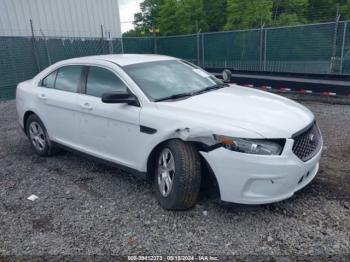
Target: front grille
<point x="308" y="143"/>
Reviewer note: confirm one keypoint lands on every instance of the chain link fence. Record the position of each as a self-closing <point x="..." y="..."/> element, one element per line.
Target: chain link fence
<point x="186" y="47"/>
<point x="238" y="49"/>
<point x="316" y="48"/>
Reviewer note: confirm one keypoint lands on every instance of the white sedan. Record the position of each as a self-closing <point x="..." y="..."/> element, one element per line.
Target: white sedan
<point x="174" y="123"/>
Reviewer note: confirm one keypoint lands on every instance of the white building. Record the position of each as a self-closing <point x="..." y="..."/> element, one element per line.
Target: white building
<point x="61" y="18"/>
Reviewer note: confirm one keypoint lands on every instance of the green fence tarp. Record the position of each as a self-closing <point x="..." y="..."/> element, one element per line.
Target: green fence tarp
<point x="319" y="48"/>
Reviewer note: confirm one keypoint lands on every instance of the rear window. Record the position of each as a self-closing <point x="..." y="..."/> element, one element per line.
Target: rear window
<point x="49" y="81"/>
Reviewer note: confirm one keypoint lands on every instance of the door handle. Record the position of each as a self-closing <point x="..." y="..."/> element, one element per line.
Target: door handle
<point x="42" y="96"/>
<point x="86" y="105"/>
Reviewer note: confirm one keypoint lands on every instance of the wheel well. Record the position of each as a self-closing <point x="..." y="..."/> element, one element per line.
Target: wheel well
<point x="152" y="156"/>
<point x="209" y="181"/>
<point x="210" y="184"/>
<point x="25" y="118"/>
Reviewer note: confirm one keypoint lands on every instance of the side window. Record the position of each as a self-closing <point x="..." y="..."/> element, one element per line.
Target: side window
<point x="49" y="81"/>
<point x="101" y="80"/>
<point x="68" y="78"/>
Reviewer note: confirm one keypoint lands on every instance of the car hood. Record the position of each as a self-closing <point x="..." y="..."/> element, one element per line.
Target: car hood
<point x="258" y="112"/>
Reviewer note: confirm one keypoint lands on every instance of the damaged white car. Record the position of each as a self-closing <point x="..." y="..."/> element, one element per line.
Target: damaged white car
<point x="174" y="123"/>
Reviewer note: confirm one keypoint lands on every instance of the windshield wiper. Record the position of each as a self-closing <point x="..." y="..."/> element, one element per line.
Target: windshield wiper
<point x="207" y="89"/>
<point x="174" y="97"/>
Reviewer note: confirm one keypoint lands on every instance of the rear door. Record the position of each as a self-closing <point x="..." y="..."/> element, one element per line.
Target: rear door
<point x="108" y="131"/>
<point x="58" y="101"/>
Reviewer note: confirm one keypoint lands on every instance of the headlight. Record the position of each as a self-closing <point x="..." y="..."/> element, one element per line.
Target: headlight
<point x="251" y="146"/>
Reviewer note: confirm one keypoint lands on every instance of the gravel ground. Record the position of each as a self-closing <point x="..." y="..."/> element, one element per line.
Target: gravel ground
<point x="87" y="208"/>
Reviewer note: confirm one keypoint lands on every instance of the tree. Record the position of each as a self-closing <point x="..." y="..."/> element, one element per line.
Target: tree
<point x="345" y="9"/>
<point x="289" y="12"/>
<point x="215" y="14"/>
<point x="248" y="13"/>
<point x="168" y="18"/>
<point x="148" y="18"/>
<point x="191" y="16"/>
<point x="133" y="33"/>
<point x="289" y="19"/>
<point x="321" y="10"/>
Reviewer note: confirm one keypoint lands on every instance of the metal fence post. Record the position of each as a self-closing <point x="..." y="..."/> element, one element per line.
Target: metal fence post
<point x="110" y="42"/>
<point x="203" y="51"/>
<point x="122" y="44"/>
<point x="111" y="49"/>
<point x="261" y="47"/>
<point x="155" y="43"/>
<point x="35" y="53"/>
<point x="48" y="52"/>
<point x="342" y="48"/>
<point x="102" y="35"/>
<point x="265" y="49"/>
<point x="335" y="36"/>
<point x="198" y="48"/>
<point x="46" y="48"/>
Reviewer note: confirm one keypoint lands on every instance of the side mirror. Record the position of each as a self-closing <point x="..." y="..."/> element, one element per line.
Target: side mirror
<point x="119" y="97"/>
<point x="226" y="76"/>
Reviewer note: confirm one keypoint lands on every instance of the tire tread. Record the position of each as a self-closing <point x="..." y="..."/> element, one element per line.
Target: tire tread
<point x="189" y="177"/>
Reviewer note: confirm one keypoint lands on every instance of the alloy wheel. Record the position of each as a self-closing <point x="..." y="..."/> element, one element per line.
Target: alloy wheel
<point x="37" y="136"/>
<point x="166" y="172"/>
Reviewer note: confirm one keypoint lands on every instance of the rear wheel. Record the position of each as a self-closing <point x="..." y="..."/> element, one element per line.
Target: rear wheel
<point x="38" y="137"/>
<point x="177" y="176"/>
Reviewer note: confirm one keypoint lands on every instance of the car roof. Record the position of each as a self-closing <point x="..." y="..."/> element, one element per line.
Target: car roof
<point x="124" y="59"/>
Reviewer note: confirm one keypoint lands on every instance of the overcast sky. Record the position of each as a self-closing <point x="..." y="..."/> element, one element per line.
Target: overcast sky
<point x="127" y="10"/>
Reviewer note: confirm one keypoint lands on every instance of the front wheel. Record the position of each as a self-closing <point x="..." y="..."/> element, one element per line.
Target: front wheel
<point x="177" y="176"/>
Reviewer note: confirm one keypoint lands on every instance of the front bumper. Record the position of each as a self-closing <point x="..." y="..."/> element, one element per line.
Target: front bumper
<point x="258" y="179"/>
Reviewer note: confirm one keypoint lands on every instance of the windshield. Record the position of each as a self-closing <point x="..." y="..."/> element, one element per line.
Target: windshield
<point x="163" y="80"/>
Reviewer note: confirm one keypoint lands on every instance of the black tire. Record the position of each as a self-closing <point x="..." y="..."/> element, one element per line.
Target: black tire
<point x="186" y="177"/>
<point x="48" y="149"/>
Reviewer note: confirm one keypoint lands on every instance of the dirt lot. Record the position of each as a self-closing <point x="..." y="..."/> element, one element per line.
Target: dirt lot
<point x="88" y="208"/>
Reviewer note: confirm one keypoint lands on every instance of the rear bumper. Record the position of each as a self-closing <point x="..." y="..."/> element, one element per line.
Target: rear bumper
<point x="256" y="179"/>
